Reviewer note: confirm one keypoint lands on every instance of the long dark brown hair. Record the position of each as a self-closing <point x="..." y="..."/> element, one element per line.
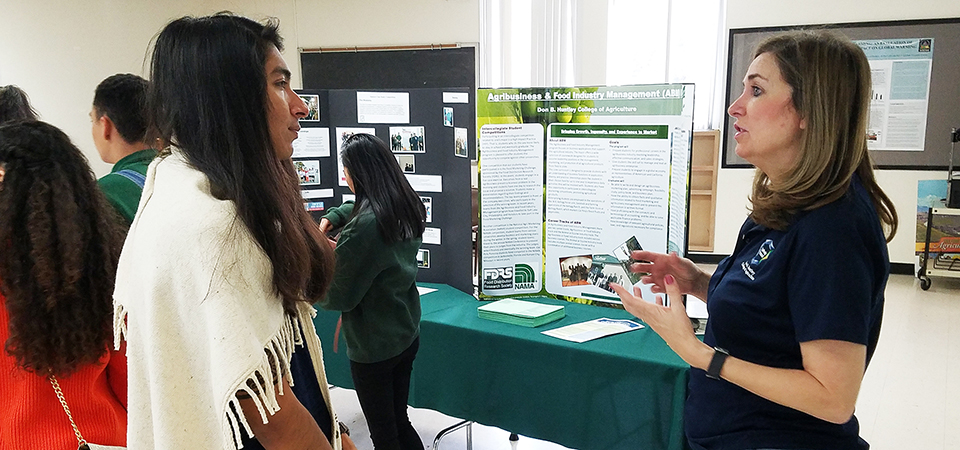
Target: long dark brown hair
<point x="208" y="98"/>
<point x="381" y="186"/>
<point x="60" y="243"/>
<point x="830" y="78"/>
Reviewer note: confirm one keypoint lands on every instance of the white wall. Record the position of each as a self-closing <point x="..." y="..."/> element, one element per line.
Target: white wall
<point x="733" y="185"/>
<point x="59" y="50"/>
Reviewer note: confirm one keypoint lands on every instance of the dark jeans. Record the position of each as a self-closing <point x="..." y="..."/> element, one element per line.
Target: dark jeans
<point x="382" y="388"/>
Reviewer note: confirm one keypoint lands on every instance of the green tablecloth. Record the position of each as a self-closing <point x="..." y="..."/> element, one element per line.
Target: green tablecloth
<point x="624" y="391"/>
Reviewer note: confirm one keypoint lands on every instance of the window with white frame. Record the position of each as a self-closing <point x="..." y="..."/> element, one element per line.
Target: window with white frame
<point x="528" y="43"/>
<point x="669" y="41"/>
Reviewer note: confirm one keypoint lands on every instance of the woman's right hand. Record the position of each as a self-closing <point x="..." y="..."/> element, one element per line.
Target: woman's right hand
<point x="325" y="226"/>
<point x="690" y="279"/>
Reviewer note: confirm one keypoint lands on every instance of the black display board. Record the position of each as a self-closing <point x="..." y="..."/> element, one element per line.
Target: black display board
<point x="451" y="261"/>
<point x="943" y="110"/>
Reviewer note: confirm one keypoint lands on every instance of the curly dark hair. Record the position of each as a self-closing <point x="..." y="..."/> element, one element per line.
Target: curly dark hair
<point x="15" y="105"/>
<point x="61" y="241"/>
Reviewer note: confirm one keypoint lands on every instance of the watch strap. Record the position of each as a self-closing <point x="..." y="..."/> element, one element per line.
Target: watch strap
<point x="716" y="363"/>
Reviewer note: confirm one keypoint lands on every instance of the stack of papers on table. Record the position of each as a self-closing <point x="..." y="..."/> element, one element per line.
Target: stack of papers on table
<point x="518" y="312"/>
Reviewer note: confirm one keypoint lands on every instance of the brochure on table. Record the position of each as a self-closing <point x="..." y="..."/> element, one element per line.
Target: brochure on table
<point x="572" y="179"/>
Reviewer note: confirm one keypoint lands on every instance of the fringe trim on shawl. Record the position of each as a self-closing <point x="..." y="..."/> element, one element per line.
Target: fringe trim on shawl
<point x="275" y="363"/>
<point x="119" y="325"/>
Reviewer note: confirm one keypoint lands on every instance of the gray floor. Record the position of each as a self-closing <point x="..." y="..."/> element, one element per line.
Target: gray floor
<point x="910" y="397"/>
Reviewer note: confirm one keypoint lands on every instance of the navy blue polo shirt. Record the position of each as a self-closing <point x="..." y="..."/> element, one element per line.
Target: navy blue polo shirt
<point x="821" y="278"/>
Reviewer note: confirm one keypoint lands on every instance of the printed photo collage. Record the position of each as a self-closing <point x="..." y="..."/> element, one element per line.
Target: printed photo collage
<point x="601" y="270"/>
<point x="407" y="142"/>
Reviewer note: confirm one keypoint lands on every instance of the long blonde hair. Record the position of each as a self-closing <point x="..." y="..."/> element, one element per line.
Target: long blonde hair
<point x="830" y="77"/>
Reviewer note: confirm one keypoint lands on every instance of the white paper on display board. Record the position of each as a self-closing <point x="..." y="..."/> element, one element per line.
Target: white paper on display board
<point x="316" y="193"/>
<point x="425" y="183"/>
<point x="383" y="107"/>
<point x="616" y="161"/>
<point x="512" y="208"/>
<point x="605" y="184"/>
<point x="900" y="71"/>
<point x="431" y="236"/>
<point x="312" y="142"/>
<point x="342" y="134"/>
<point x="456" y="97"/>
<point x="679" y="170"/>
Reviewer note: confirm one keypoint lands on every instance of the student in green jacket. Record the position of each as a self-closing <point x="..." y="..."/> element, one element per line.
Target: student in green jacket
<point x="119" y="127"/>
<point x="375" y="286"/>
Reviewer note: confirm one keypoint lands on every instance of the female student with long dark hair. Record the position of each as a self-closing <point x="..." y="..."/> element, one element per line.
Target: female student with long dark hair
<point x="222" y="262"/>
<point x="59" y="244"/>
<point x="375" y="286"/>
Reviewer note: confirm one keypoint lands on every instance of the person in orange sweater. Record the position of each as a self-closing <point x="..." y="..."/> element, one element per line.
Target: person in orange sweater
<point x="60" y="242"/>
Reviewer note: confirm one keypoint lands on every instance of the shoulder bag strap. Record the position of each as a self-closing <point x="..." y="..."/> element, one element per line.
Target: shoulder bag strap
<point x="81" y="442"/>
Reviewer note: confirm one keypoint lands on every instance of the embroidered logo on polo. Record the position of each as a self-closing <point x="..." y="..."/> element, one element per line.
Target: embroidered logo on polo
<point x="750" y="268"/>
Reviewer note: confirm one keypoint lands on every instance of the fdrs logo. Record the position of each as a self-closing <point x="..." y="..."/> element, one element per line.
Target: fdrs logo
<point x="498" y="278"/>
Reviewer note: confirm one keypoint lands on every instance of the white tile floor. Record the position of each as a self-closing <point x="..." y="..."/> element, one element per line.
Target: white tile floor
<point x="910" y="397"/>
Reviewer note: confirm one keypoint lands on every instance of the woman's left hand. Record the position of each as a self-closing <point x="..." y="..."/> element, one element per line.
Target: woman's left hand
<point x="670" y="322"/>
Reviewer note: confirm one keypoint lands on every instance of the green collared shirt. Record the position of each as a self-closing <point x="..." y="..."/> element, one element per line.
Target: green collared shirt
<point x="124" y="184"/>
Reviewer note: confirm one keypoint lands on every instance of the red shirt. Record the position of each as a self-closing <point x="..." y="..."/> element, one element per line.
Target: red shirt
<point x="31" y="417"/>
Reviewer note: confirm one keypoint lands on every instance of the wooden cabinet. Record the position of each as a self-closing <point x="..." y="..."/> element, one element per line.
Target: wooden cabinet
<point x="703" y="190"/>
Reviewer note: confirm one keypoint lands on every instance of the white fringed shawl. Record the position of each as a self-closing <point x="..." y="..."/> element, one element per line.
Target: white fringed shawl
<point x="195" y="302"/>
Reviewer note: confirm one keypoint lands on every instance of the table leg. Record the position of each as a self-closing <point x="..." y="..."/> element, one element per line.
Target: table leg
<point x="455" y="427"/>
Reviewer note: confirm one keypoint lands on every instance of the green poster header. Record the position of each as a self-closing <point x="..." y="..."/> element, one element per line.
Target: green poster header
<point x="609" y="131"/>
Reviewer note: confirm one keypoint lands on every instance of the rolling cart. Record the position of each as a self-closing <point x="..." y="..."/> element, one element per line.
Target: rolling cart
<point x="941" y="252"/>
<point x="941" y="257"/>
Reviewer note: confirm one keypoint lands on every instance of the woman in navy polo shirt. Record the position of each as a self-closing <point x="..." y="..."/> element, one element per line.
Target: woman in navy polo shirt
<point x="795" y="311"/>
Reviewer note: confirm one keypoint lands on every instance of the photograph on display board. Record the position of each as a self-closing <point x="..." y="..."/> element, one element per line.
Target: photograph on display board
<point x="407" y="163"/>
<point x="428" y="207"/>
<point x="406" y="140"/>
<point x="313" y="206"/>
<point x="623" y="251"/>
<point x="423" y="259"/>
<point x="308" y="171"/>
<point x="447" y="117"/>
<point x="606" y="269"/>
<point x="460" y="142"/>
<point x="313" y="107"/>
<point x="574" y="270"/>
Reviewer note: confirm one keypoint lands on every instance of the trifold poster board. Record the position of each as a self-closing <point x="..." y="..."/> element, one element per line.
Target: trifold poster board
<point x="430" y="133"/>
<point x="573" y="179"/>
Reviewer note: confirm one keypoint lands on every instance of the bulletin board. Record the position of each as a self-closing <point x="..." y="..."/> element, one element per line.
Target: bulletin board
<point x="943" y="106"/>
<point x="429" y="74"/>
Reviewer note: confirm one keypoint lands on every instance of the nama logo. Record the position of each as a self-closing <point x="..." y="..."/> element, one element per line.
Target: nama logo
<point x="524" y="277"/>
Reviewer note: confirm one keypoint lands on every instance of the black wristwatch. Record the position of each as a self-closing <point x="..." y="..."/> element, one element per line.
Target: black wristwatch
<point x="716" y="363"/>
